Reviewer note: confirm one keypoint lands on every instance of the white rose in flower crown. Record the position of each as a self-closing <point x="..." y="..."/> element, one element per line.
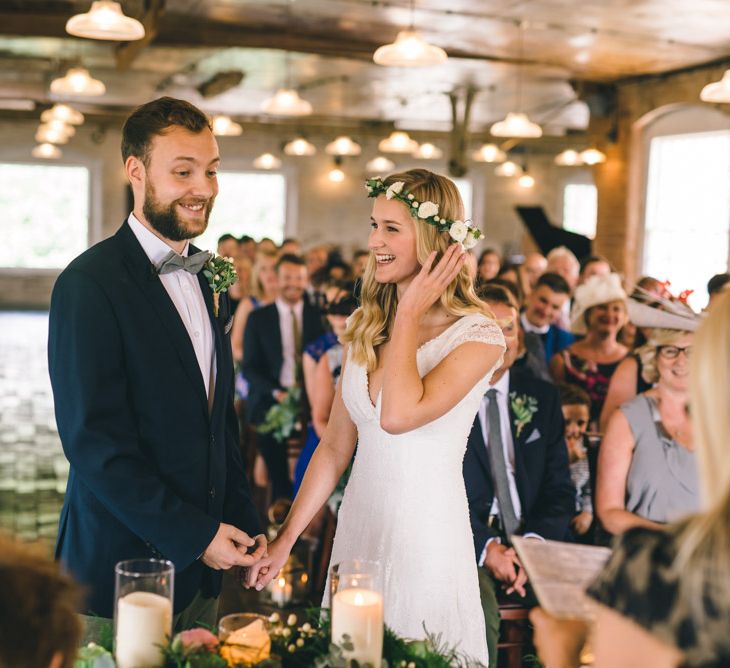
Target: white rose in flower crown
<point x="458" y="230"/>
<point x="470" y="241"/>
<point x="427" y="209"/>
<point x="394" y="189"/>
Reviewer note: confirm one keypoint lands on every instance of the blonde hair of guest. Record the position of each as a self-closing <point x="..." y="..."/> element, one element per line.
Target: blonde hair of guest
<point x="372" y="323"/>
<point x="703" y="558"/>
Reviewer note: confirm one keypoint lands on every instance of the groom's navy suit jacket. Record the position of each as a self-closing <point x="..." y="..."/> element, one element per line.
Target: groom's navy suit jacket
<point x="542" y="475"/>
<point x="153" y="472"/>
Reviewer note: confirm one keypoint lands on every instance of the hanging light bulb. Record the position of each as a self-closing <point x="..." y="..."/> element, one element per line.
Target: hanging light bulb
<point x="508" y="168"/>
<point x="516" y="124"/>
<point x="105" y="20"/>
<point x="410" y="49"/>
<point x="286" y="102"/>
<point x="428" y="151"/>
<point x="300" y="146"/>
<point x="526" y="181"/>
<point x="489" y="153"/>
<point x="78" y="82"/>
<point x="46" y="151"/>
<point x="53" y="133"/>
<point x="398" y="142"/>
<point x="336" y="175"/>
<point x="267" y="161"/>
<point x="64" y="113"/>
<point x="224" y="126"/>
<point x="568" y="158"/>
<point x="59" y="127"/>
<point x="380" y="165"/>
<point x="592" y="156"/>
<point x="719" y="91"/>
<point x="343" y="145"/>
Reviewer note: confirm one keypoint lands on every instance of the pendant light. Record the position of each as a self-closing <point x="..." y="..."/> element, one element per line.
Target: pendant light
<point x="336" y="175"/>
<point x="286" y="100"/>
<point x="489" y="153"/>
<point x="300" y="146"/>
<point x="380" y="165"/>
<point x="410" y="49"/>
<point x="78" y="82"/>
<point x="105" y="20"/>
<point x="592" y="156"/>
<point x="526" y="181"/>
<point x="64" y="113"/>
<point x="267" y="161"/>
<point x="508" y="168"/>
<point x="225" y="126"/>
<point x="46" y="151"/>
<point x="343" y="145"/>
<point x="428" y="151"/>
<point x="398" y="142"/>
<point x="719" y="91"/>
<point x="517" y="123"/>
<point x="568" y="158"/>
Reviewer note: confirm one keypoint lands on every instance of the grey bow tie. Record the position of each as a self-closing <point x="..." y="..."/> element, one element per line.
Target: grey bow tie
<point x="173" y="262"/>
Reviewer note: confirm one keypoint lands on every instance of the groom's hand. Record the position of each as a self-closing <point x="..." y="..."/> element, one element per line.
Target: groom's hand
<point x="230" y="546"/>
<point x="504" y="565"/>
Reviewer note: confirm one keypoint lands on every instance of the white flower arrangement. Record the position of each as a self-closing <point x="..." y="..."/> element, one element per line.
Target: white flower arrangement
<point x="459" y="231"/>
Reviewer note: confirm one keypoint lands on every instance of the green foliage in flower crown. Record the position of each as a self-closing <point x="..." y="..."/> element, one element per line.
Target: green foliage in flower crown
<point x="220" y="272"/>
<point x="282" y="419"/>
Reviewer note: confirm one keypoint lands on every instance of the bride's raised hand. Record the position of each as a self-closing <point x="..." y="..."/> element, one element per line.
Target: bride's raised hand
<point x="268" y="568"/>
<point x="429" y="284"/>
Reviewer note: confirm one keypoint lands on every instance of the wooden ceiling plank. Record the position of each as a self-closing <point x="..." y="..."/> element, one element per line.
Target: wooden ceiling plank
<point x="127" y="52"/>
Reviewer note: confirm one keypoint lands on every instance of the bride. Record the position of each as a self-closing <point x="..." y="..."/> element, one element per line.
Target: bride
<point x="419" y="355"/>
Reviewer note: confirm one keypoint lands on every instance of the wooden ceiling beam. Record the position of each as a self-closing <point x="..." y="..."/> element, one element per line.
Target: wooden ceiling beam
<point x="127" y="52"/>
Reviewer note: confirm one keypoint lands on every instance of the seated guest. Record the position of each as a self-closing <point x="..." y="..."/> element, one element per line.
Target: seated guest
<point x="267" y="245"/>
<point x="39" y="627"/>
<point x="593" y="265"/>
<point x="716" y="286"/>
<point x="247" y="246"/>
<point x="272" y="359"/>
<point x="515" y="471"/>
<point x="664" y="596"/>
<point x="228" y="246"/>
<point x="511" y="273"/>
<point x="359" y="263"/>
<point x="599" y="313"/>
<point x="531" y="269"/>
<point x="647" y="473"/>
<point x="290" y="246"/>
<point x="488" y="265"/>
<point x="576" y="407"/>
<point x="562" y="261"/>
<point x="543" y="339"/>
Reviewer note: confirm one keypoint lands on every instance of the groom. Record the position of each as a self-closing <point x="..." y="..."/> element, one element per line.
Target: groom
<point x="142" y="381"/>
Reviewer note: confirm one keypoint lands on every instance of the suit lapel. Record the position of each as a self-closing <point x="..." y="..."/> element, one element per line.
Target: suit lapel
<point x="148" y="281"/>
<point x="217" y="334"/>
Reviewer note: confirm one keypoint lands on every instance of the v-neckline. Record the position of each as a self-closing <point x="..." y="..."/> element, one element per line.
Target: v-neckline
<point x="374" y="406"/>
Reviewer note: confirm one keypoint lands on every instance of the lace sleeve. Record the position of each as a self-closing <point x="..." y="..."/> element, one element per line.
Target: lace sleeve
<point x="478" y="328"/>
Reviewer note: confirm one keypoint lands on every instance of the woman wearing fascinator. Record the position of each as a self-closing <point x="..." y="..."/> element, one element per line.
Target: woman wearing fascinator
<point x="419" y="354"/>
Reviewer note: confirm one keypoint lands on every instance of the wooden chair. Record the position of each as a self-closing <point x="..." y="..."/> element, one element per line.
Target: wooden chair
<point x="515" y="634"/>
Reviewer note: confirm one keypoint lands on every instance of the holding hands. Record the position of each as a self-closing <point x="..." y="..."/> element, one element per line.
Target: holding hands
<point x="504" y="565"/>
<point x="230" y="547"/>
<point x="429" y="285"/>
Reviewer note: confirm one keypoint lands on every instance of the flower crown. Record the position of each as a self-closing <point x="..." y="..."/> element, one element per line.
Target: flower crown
<point x="461" y="232"/>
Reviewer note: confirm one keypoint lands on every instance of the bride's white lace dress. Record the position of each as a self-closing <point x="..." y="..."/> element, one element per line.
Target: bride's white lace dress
<point x="405" y="504"/>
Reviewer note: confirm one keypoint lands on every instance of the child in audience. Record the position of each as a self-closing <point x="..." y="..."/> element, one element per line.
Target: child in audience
<point x="576" y="407"/>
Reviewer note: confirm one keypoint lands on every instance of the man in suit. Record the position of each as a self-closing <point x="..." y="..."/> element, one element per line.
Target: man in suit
<point x="543" y="338"/>
<point x="142" y="379"/>
<point x="274" y="338"/>
<point x="523" y="485"/>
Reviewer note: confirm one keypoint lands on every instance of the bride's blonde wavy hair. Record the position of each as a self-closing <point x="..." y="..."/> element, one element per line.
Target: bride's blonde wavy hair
<point x="372" y="323"/>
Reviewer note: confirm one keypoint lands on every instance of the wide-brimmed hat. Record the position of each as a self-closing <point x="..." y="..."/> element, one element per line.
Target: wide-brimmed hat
<point x="661" y="312"/>
<point x="598" y="289"/>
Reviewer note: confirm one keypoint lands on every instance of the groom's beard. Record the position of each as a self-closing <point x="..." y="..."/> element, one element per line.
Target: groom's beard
<point x="165" y="219"/>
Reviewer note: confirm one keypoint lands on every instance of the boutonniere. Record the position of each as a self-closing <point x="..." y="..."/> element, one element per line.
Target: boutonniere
<point x="221" y="274"/>
<point x="523" y="407"/>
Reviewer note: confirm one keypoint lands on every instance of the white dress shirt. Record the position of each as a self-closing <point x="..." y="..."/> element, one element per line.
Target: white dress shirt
<point x="527" y="326"/>
<point x="288" y="373"/>
<point x="508" y="446"/>
<point x="186" y="294"/>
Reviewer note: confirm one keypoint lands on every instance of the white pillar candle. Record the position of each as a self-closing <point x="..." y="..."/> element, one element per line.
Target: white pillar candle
<point x="281" y="592"/>
<point x="358" y="613"/>
<point x="144" y="622"/>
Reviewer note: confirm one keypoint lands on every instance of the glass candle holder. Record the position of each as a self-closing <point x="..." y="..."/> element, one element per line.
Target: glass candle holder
<point x="143" y="596"/>
<point x="357" y="610"/>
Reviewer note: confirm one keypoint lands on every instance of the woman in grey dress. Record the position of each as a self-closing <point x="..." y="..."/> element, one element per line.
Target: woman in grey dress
<point x="647" y="472"/>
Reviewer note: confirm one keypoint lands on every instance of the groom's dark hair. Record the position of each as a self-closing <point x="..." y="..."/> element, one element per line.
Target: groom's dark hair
<point x="154" y="118"/>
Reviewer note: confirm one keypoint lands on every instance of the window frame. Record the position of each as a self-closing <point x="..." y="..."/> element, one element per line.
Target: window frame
<point x="94" y="231"/>
<point x="580" y="177"/>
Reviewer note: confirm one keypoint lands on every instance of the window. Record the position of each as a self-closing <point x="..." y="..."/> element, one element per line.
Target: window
<point x="249" y="203"/>
<point x="46" y="214"/>
<point x="465" y="189"/>
<point x="688" y="210"/>
<point x="580" y="209"/>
